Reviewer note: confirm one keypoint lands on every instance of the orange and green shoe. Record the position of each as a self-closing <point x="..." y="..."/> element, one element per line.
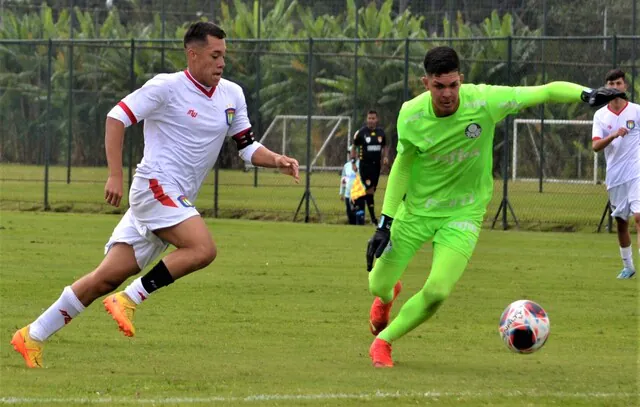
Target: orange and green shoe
<point x="29" y="348"/>
<point x="121" y="308"/>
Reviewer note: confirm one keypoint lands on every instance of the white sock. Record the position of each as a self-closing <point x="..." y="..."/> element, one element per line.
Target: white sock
<point x="627" y="257"/>
<point x="56" y="316"/>
<point x="136" y="291"/>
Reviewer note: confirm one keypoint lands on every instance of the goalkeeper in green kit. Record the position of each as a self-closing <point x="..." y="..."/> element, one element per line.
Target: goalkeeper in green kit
<point x="440" y="185"/>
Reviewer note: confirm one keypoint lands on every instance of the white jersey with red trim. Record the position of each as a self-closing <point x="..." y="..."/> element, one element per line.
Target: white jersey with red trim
<point x="623" y="154"/>
<point x="185" y="125"/>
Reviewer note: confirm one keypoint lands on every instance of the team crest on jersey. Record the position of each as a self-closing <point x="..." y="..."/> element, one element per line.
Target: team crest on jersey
<point x="230" y="113"/>
<point x="379" y="139"/>
<point x="631" y="124"/>
<point x="185" y="202"/>
<point x="473" y="130"/>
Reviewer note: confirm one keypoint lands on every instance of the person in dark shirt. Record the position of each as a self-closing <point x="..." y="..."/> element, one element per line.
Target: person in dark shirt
<point x="370" y="148"/>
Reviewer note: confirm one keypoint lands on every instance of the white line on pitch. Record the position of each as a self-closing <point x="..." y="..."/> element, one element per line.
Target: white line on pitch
<point x="308" y="397"/>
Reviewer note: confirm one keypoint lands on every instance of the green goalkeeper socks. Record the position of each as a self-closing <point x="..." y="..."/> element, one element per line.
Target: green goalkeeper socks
<point x="447" y="268"/>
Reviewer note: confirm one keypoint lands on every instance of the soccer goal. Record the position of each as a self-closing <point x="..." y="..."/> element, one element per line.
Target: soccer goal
<point x="330" y="140"/>
<point x="566" y="148"/>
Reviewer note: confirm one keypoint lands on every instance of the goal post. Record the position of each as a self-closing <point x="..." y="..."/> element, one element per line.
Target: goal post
<point x="279" y="138"/>
<point x="526" y="140"/>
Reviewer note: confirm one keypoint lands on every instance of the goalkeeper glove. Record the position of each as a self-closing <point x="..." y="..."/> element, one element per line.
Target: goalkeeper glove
<point x="380" y="240"/>
<point x="601" y="96"/>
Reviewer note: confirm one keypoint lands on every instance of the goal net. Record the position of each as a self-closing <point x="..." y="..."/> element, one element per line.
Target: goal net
<point x="565" y="149"/>
<point x="330" y="140"/>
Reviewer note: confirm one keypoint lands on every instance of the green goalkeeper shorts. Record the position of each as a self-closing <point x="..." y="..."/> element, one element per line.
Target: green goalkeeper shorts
<point x="410" y="232"/>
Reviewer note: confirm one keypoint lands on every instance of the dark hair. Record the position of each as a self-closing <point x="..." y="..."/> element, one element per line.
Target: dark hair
<point x="614" y="74"/>
<point x="198" y="32"/>
<point x="441" y="60"/>
<point x="372" y="112"/>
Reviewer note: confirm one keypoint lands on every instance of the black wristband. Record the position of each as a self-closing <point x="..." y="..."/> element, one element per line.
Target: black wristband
<point x="385" y="222"/>
<point x="353" y="161"/>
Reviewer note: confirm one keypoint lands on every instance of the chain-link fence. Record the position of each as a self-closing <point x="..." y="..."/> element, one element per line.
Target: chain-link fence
<point x="55" y="95"/>
<point x="571" y="17"/>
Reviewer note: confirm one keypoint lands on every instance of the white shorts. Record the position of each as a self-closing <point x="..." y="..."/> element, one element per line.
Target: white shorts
<point x="153" y="206"/>
<point x="625" y="199"/>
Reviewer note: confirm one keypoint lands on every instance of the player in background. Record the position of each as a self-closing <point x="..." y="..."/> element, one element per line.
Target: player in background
<point x="187" y="116"/>
<point x="616" y="130"/>
<point x="370" y="147"/>
<point x="443" y="166"/>
<point x="355" y="215"/>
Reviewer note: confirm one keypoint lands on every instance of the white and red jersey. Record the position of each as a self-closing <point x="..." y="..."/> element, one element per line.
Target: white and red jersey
<point x="623" y="154"/>
<point x="185" y="125"/>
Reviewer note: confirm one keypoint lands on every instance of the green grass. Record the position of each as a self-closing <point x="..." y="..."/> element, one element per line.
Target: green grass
<point x="283" y="311"/>
<point x="559" y="207"/>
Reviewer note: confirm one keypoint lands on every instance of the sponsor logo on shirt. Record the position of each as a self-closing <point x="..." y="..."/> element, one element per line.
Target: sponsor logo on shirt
<point x="465" y="226"/>
<point x="192" y="113"/>
<point x="414" y="117"/>
<point x="475" y="104"/>
<point x="230" y="113"/>
<point x="456" y="202"/>
<point x="456" y="156"/>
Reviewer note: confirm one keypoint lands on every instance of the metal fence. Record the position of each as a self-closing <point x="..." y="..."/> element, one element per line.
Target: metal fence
<point x="586" y="17"/>
<point x="55" y="94"/>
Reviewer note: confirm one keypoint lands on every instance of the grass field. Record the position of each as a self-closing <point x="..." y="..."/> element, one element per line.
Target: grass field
<point x="280" y="318"/>
<point x="559" y="207"/>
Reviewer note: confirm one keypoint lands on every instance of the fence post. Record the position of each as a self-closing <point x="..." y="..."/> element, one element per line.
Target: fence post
<point x="309" y="114"/>
<point x="356" y="45"/>
<point x="634" y="24"/>
<point x="258" y="86"/>
<point x="614" y="51"/>
<point x="164" y="19"/>
<point x="505" y="205"/>
<point x="505" y="145"/>
<point x="215" y="188"/>
<point x="544" y="80"/>
<point x="451" y="20"/>
<point x="48" y="127"/>
<point x="70" y="123"/>
<point x="406" y="70"/>
<point x="132" y="77"/>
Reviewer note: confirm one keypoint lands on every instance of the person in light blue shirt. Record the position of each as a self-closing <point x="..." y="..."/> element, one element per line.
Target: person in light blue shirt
<point x="355" y="213"/>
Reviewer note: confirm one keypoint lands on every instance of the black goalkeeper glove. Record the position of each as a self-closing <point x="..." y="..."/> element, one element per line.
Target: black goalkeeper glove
<point x="380" y="240"/>
<point x="601" y="96"/>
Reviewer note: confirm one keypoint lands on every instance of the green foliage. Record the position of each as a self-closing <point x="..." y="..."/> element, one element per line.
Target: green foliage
<point x="274" y="73"/>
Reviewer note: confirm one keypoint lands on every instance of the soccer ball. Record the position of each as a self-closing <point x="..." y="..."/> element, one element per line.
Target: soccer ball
<point x="524" y="326"/>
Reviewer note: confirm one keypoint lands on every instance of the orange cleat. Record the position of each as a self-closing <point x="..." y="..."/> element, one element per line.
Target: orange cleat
<point x="380" y="353"/>
<point x="121" y="308"/>
<point x="379" y="313"/>
<point x="30" y="349"/>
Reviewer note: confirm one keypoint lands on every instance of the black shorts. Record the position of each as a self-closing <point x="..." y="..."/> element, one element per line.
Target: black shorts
<point x="370" y="174"/>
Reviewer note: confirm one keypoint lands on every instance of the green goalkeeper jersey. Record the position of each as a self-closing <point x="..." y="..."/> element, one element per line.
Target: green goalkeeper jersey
<point x="444" y="164"/>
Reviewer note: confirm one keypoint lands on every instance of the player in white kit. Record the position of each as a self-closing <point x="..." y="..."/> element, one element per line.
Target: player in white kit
<point x="616" y="129"/>
<point x="187" y="116"/>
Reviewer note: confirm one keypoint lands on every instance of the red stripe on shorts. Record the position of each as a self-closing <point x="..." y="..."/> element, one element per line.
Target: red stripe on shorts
<point x="159" y="194"/>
